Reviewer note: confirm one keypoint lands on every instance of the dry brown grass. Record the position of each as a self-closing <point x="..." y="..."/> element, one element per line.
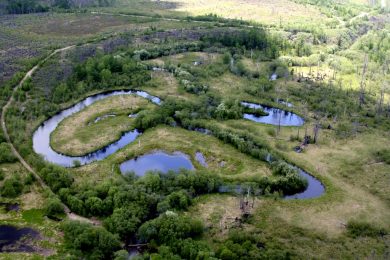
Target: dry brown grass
<point x="264" y="11"/>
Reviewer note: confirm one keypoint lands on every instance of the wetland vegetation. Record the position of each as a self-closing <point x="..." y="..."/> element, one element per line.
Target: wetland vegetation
<point x="183" y="130"/>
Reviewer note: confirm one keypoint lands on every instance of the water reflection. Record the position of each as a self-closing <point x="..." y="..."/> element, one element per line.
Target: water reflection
<point x="41" y="137"/>
<point x="157" y="161"/>
<point x="275" y="116"/>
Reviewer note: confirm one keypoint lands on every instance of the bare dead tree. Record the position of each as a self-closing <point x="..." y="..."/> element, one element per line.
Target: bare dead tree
<point x="363" y="81"/>
<point x="380" y="102"/>
<point x="316" y="131"/>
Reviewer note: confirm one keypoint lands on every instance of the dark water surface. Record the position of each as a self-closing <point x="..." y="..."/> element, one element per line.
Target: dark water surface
<point x="13" y="239"/>
<point x="157" y="161"/>
<point x="275" y="116"/>
<point x="41" y="137"/>
<point x="10" y="206"/>
<point x="314" y="188"/>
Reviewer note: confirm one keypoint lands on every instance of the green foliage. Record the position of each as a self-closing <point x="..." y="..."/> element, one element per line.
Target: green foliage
<point x="124" y="221"/>
<point x="121" y="255"/>
<point x="2" y="137"/>
<point x="27" y="85"/>
<point x="12" y="187"/>
<point x="65" y="4"/>
<point x="6" y="155"/>
<point x="364" y="229"/>
<point x="229" y="110"/>
<point x="289" y="182"/>
<point x="86" y="241"/>
<point x="256" y="39"/>
<point x="30" y="178"/>
<point x="176" y="200"/>
<point x="101" y="72"/>
<point x="282" y="168"/>
<point x="56" y="177"/>
<point x="185" y="249"/>
<point x="25" y="6"/>
<point x="302" y="48"/>
<point x="54" y="208"/>
<point x="254" y="111"/>
<point x="168" y="228"/>
<point x="227" y="57"/>
<point x="383" y="155"/>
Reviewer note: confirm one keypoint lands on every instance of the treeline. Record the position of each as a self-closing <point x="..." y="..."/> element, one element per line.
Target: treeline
<point x="254" y="39"/>
<point x="37" y="6"/>
<point x="101" y="72"/>
<point x="25" y="6"/>
<point x="218" y="19"/>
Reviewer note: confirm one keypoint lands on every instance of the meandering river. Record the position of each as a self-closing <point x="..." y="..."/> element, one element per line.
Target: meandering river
<point x="158" y="160"/>
<point x="41" y="137"/>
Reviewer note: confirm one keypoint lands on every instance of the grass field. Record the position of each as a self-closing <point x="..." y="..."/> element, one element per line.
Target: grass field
<point x="79" y="134"/>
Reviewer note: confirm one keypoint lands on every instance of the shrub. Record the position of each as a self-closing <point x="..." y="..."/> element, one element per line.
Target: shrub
<point x="176" y="200"/>
<point x="88" y="242"/>
<point x="30" y="178"/>
<point x="2" y="138"/>
<point x="54" y="208"/>
<point x="12" y="187"/>
<point x="364" y="229"/>
<point x="169" y="228"/>
<point x="6" y="155"/>
<point x="383" y="155"/>
<point x="56" y="177"/>
<point x="124" y="221"/>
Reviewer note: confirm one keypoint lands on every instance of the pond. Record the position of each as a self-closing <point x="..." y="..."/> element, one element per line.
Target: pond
<point x="10" y="206"/>
<point x="157" y="161"/>
<point x="314" y="188"/>
<point x="13" y="239"/>
<point x="41" y="137"/>
<point x="201" y="159"/>
<point x="275" y="116"/>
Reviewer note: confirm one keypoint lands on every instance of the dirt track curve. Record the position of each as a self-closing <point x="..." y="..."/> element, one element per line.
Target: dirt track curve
<point x="69" y="214"/>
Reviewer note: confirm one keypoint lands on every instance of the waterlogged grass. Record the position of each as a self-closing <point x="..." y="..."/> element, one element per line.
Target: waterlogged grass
<point x="79" y="134"/>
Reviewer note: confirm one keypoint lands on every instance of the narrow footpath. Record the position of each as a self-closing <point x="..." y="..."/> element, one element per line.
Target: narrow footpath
<point x="69" y="214"/>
